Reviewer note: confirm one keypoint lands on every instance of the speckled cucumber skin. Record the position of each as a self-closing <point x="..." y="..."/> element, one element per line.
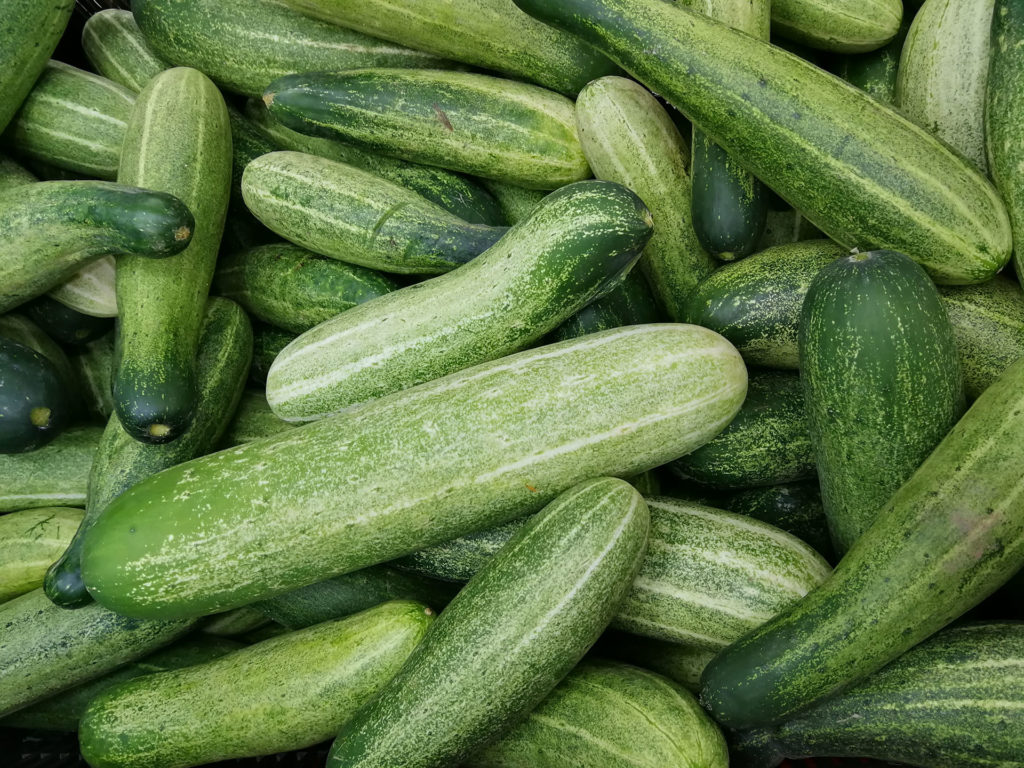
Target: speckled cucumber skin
<point x="267" y="343"/>
<point x="29" y="541"/>
<point x="56" y="474"/>
<point x="486" y="126"/>
<point x="284" y="693"/>
<point x="352" y="215"/>
<point x="843" y="26"/>
<point x="161" y="305"/>
<point x="516" y="203"/>
<point x="117" y="49"/>
<point x="629" y="303"/>
<point x="944" y="72"/>
<point x="882" y="382"/>
<point x="294" y="289"/>
<point x="959" y="699"/>
<point x="610" y="715"/>
<point x="509" y="637"/>
<point x="876" y="72"/>
<point x="946" y="540"/>
<point x="245" y="44"/>
<point x="253" y="420"/>
<point x="574" y="247"/>
<point x="682" y="664"/>
<point x="52" y="228"/>
<point x="859" y="171"/>
<point x="93" y="366"/>
<point x="794" y="507"/>
<point x="483" y="446"/>
<point x="12" y="174"/>
<point x="73" y="119"/>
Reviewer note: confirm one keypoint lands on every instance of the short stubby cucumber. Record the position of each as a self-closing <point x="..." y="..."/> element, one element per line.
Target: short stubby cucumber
<point x="56" y="474"/>
<point x="91" y="290"/>
<point x="575" y="246"/>
<point x="116" y="48"/>
<point x="29" y="541"/>
<point x="253" y="420"/>
<point x="844" y="26"/>
<point x="462" y="453"/>
<point x="631" y="302"/>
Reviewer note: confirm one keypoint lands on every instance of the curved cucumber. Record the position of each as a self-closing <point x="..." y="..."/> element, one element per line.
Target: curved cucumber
<point x="116" y="48"/>
<point x="844" y="26"/>
<point x="57" y="473"/>
<point x="680" y="663"/>
<point x="629" y="303"/>
<point x="29" y="541"/>
<point x="91" y="290"/>
<point x="35" y="405"/>
<point x="253" y="420"/>
<point x="93" y="367"/>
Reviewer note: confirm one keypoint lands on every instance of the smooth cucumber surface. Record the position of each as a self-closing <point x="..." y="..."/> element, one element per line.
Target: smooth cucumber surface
<point x="35" y="405"/>
<point x="253" y="420"/>
<point x="29" y="541"/>
<point x="56" y="474"/>
<point x="19" y="328"/>
<point x="843" y="26"/>
<point x="117" y="49"/>
<point x="91" y="290"/>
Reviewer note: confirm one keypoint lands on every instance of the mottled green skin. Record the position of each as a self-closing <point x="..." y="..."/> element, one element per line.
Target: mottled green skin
<point x="13" y="175"/>
<point x="45" y="649"/>
<point x="52" y="228"/>
<point x="293" y="289"/>
<point x="882" y="381"/>
<point x="57" y="473"/>
<point x="861" y="172"/>
<point x="842" y="26"/>
<point x="458" y="559"/>
<point x="681" y="663"/>
<point x="91" y="289"/>
<point x="245" y="44"/>
<point x="237" y="621"/>
<point x="462" y="453"/>
<point x="575" y="246"/>
<point x="161" y="304"/>
<point x="610" y="715"/>
<point x="116" y="48"/>
<point x="253" y="420"/>
<point x="93" y="366"/>
<point x="222" y="363"/>
<point x="629" y="303"/>
<point x="355" y="216"/>
<point x="30" y="387"/>
<point x="946" y="540"/>
<point x="794" y="507"/>
<point x="516" y="203"/>
<point x="952" y="702"/>
<point x="509" y="636"/>
<point x="29" y="541"/>
<point x="64" y="324"/>
<point x="21" y="329"/>
<point x="628" y="137"/>
<point x="267" y="343"/>
<point x="29" y="32"/>
<point x="73" y="119"/>
<point x="876" y="72"/>
<point x="284" y="693"/>
<point x="786" y="226"/>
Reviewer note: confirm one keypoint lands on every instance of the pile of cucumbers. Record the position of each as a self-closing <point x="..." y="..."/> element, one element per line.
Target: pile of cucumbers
<point x="513" y="383"/>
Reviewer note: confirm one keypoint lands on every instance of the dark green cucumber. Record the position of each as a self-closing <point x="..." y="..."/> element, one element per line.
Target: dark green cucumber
<point x="241" y="229"/>
<point x="508" y="638"/>
<point x="267" y="343"/>
<point x="116" y="48"/>
<point x="629" y="303"/>
<point x="882" y="380"/>
<point x="786" y="226"/>
<point x="253" y="420"/>
<point x="843" y="26"/>
<point x="516" y="203"/>
<point x="64" y="324"/>
<point x="93" y="367"/>
<point x="948" y="538"/>
<point x="57" y="473"/>
<point x="284" y="693"/>
<point x="29" y="541"/>
<point x="225" y="350"/>
<point x="35" y="405"/>
<point x="19" y="328"/>
<point x="293" y="289"/>
<point x="681" y="663"/>
<point x="794" y="507"/>
<point x="238" y="621"/>
<point x="161" y="304"/>
<point x="876" y="72"/>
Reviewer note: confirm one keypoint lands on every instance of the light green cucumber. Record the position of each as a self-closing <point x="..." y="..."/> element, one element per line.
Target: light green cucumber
<point x="91" y="290"/>
<point x="843" y="26"/>
<point x="56" y="474"/>
<point x="631" y="302"/>
<point x="116" y="48"/>
<point x="93" y="366"/>
<point x="680" y="663"/>
<point x="29" y="541"/>
<point x="253" y="420"/>
<point x="516" y="203"/>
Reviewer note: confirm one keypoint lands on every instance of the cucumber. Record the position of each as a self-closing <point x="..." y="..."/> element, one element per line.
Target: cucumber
<point x="285" y="693"/>
<point x="786" y="226"/>
<point x="876" y="72"/>
<point x="73" y="119"/>
<point x="35" y="405"/>
<point x="116" y="48"/>
<point x="960" y="698"/>
<point x="664" y="390"/>
<point x="882" y="381"/>
<point x="64" y="324"/>
<point x="794" y="507"/>
<point x="237" y="621"/>
<point x="508" y="638"/>
<point x="861" y="172"/>
<point x="241" y="229"/>
<point x="293" y="289"/>
<point x="161" y="305"/>
<point x="516" y="203"/>
<point x="29" y="33"/>
<point x="628" y="137"/>
<point x="93" y="368"/>
<point x="52" y="228"/>
<point x="629" y="303"/>
<point x="680" y="663"/>
<point x="944" y="72"/>
<point x="352" y="215"/>
<point x="487" y="126"/>
<point x="19" y="328"/>
<point x="13" y="175"/>
<point x="608" y="715"/>
<point x="56" y="474"/>
<point x="457" y="560"/>
<point x="91" y="290"/>
<point x="29" y="541"/>
<point x="843" y="26"/>
<point x="267" y="343"/>
<point x="575" y="246"/>
<point x="225" y="349"/>
<point x="945" y="540"/>
<point x="253" y="420"/>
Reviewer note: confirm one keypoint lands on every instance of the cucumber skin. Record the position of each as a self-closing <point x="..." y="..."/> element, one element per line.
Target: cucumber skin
<point x="477" y="124"/>
<point x="267" y="343"/>
<point x="117" y="49"/>
<point x="309" y="681"/>
<point x="629" y="303"/>
<point x="91" y="290"/>
<point x="13" y="174"/>
<point x="869" y="24"/>
<point x="30" y="386"/>
<point x="876" y="72"/>
<point x="64" y="324"/>
<point x="21" y="329"/>
<point x="29" y="542"/>
<point x="793" y="507"/>
<point x="161" y="305"/>
<point x="577" y="245"/>
<point x="508" y="638"/>
<point x="882" y="382"/>
<point x="57" y="473"/>
<point x="253" y="420"/>
<point x="923" y="563"/>
<point x="516" y="203"/>
<point x="958" y="229"/>
<point x="543" y="400"/>
<point x="93" y="368"/>
<point x="682" y="664"/>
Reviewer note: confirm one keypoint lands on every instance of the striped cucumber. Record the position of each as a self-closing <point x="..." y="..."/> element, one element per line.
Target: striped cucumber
<point x="631" y="302"/>
<point x="628" y="137"/>
<point x="93" y="368"/>
<point x="861" y="172"/>
<point x="236" y="622"/>
<point x="65" y="324"/>
<point x="161" y="305"/>
<point x="56" y="474"/>
<point x="457" y="560"/>
<point x="516" y="203"/>
<point x="253" y="420"/>
<point x="267" y="343"/>
<point x="794" y="507"/>
<point x="91" y="290"/>
<point x="843" y="26"/>
<point x="948" y="538"/>
<point x="509" y="637"/>
<point x="574" y="247"/>
<point x="426" y="460"/>
<point x="876" y="72"/>
<point x="116" y="48"/>
<point x="35" y="405"/>
<point x="352" y="215"/>
<point x="29" y="541"/>
<point x="680" y="663"/>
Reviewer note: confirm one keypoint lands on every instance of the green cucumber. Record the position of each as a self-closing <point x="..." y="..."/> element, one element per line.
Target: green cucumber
<point x="293" y="289"/>
<point x="267" y="343"/>
<point x="73" y="119"/>
<point x="608" y="715"/>
<point x="161" y="304"/>
<point x="843" y="26"/>
<point x="516" y="203"/>
<point x="860" y="171"/>
<point x="56" y="474"/>
<point x="575" y="246"/>
<point x="303" y="495"/>
<point x="486" y="126"/>
<point x="116" y="48"/>
<point x="629" y="303"/>
<point x="237" y="621"/>
<point x="784" y="227"/>
<point x="52" y="228"/>
<point x="680" y="663"/>
<point x="19" y="328"/>
<point x="253" y="420"/>
<point x="794" y="507"/>
<point x="509" y="637"/>
<point x="876" y="72"/>
<point x="352" y="215"/>
<point x="882" y="379"/>
<point x="948" y="538"/>
<point x="225" y="349"/>
<point x="457" y="560"/>
<point x="64" y="324"/>
<point x="944" y="72"/>
<point x="91" y="290"/>
<point x="285" y="693"/>
<point x="93" y="367"/>
<point x="29" y="541"/>
<point x="628" y="137"/>
<point x="35" y="405"/>
<point x="13" y="175"/>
